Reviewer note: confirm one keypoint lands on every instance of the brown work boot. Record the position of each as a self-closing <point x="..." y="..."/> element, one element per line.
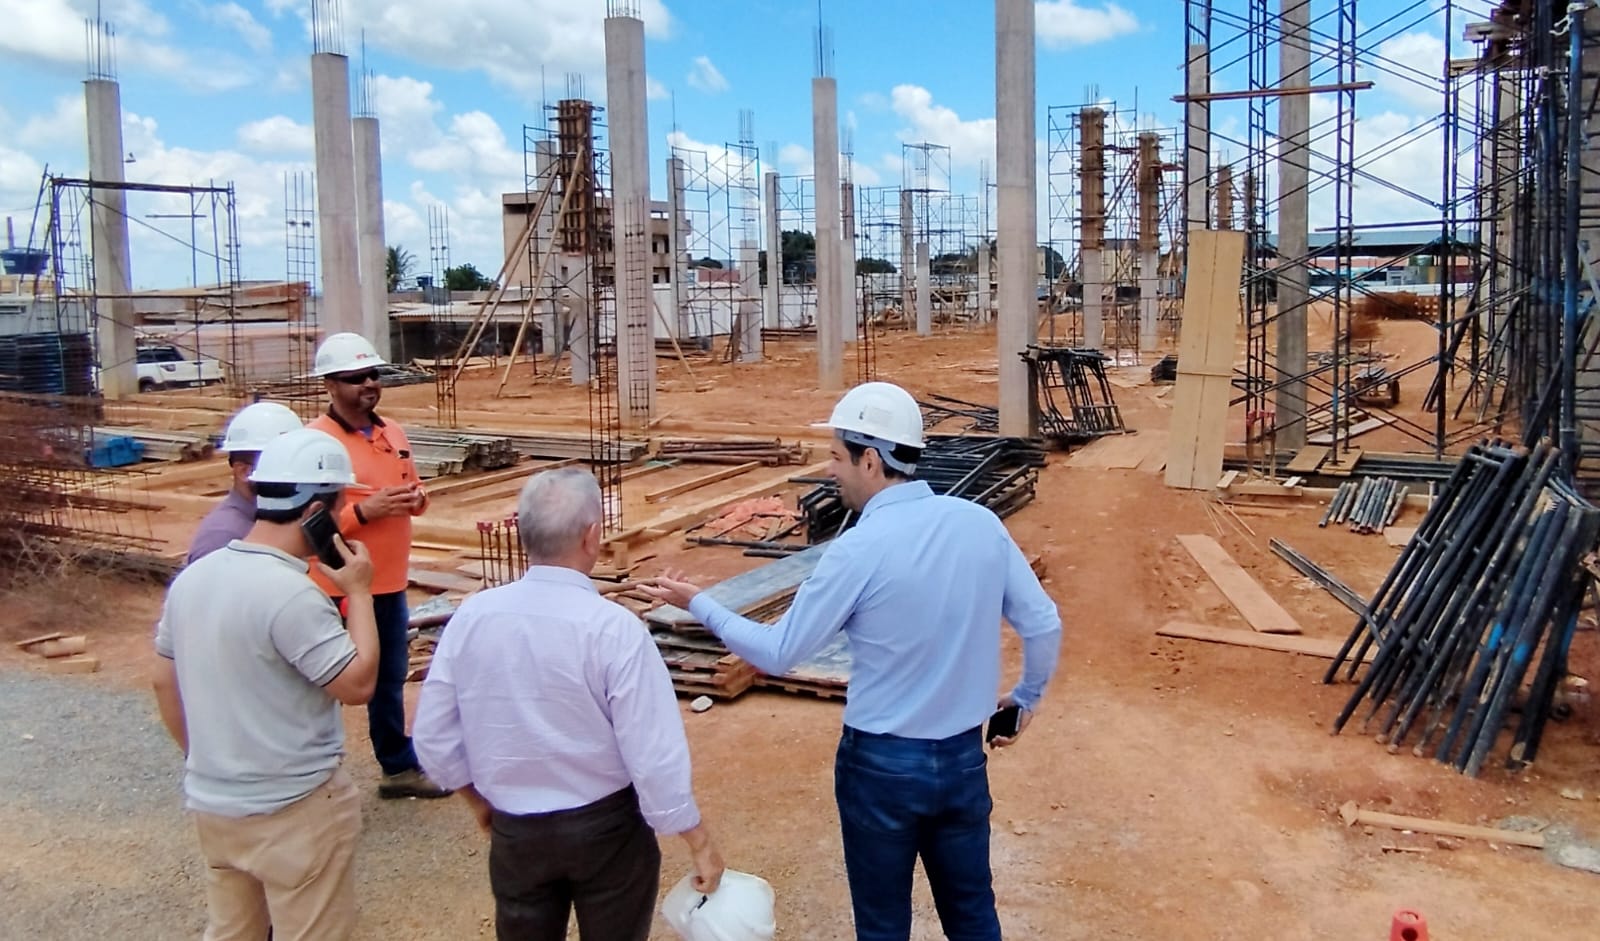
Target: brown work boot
<point x="411" y="783"/>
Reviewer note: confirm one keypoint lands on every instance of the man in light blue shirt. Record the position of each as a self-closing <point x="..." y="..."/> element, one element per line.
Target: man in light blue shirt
<point x="919" y="586"/>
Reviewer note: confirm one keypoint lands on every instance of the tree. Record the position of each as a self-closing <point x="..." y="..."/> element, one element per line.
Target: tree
<point x="399" y="264"/>
<point x="1054" y="264"/>
<point x="466" y="278"/>
<point x="706" y="262"/>
<point x="873" y="266"/>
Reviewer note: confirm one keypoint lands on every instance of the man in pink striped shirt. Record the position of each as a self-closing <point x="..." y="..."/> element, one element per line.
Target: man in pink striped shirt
<point x="549" y="710"/>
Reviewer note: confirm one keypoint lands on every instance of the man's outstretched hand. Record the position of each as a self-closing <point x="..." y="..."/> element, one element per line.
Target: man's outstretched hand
<point x="670" y="586"/>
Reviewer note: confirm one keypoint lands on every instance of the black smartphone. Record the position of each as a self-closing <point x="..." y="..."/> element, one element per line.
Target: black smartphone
<point x="320" y="529"/>
<point x="1003" y="724"/>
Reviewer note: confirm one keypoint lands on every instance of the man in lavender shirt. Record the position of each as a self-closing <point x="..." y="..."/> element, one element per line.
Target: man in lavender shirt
<point x="548" y="708"/>
<point x="247" y="434"/>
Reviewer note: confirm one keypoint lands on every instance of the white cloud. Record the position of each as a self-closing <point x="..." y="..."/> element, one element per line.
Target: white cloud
<point x="704" y="77"/>
<point x="1063" y="23"/>
<point x="970" y="142"/>
<point x="1411" y="73"/>
<point x="862" y="174"/>
<point x="794" y="160"/>
<point x="237" y="18"/>
<point x="654" y="90"/>
<point x="51" y="33"/>
<point x="276" y="135"/>
<point x="509" y="39"/>
<point x="64" y="125"/>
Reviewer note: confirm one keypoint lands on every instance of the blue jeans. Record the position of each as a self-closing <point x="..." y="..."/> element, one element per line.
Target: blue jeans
<point x="900" y="798"/>
<point x="386" y="712"/>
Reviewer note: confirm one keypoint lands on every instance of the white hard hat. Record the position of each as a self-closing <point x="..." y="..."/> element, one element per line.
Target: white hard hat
<point x="879" y="415"/>
<point x="740" y="910"/>
<point x="312" y="460"/>
<point x="345" y="352"/>
<point x="257" y="424"/>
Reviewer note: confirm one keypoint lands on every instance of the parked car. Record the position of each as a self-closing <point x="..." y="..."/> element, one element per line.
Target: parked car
<point x="163" y="367"/>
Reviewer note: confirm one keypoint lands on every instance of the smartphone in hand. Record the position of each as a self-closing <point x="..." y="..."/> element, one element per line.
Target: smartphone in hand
<point x="1004" y="723"/>
<point x="320" y="529"/>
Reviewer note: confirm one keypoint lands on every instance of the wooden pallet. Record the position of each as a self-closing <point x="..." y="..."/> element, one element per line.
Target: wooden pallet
<point x="788" y="685"/>
<point x="701" y="673"/>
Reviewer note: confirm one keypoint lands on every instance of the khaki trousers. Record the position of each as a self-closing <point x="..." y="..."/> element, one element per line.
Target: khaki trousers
<point x="291" y="871"/>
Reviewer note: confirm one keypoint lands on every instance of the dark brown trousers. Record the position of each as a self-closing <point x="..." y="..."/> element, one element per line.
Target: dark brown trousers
<point x="601" y="859"/>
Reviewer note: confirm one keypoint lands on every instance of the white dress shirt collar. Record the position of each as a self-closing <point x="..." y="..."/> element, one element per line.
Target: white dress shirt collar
<point x="559" y="574"/>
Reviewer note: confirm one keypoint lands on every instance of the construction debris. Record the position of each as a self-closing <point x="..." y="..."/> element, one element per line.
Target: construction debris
<point x="999" y="473"/>
<point x="980" y="418"/>
<point x="1352" y="814"/>
<point x="1492" y="578"/>
<point x="769" y="451"/>
<point x="175" y="446"/>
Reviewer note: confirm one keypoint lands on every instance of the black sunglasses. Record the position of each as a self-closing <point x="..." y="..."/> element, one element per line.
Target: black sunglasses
<point x="357" y="378"/>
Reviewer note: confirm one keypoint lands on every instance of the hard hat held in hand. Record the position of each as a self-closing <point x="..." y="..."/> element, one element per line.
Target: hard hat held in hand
<point x="740" y="909"/>
<point x="306" y="456"/>
<point x="257" y="424"/>
<point x="879" y="410"/>
<point x="345" y="352"/>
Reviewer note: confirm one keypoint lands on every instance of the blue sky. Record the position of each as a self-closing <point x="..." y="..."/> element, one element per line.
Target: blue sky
<point x="218" y="90"/>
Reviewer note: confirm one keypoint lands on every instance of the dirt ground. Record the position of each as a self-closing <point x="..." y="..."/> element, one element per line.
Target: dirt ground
<point x="1167" y="788"/>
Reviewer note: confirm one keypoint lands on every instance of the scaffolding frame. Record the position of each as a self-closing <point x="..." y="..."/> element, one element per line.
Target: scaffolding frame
<point x="797" y="212"/>
<point x="720" y="210"/>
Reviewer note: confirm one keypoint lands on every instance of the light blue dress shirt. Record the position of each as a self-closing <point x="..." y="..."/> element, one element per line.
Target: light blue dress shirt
<point x="919" y="586"/>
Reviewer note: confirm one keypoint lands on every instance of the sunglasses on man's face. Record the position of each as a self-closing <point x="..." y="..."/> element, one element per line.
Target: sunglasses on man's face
<point x="358" y="378"/>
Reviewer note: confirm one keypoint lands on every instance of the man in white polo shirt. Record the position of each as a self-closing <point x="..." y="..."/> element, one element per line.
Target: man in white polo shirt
<point x="254" y="662"/>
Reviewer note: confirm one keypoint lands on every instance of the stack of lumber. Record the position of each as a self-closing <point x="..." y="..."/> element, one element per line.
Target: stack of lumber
<point x="475" y="451"/>
<point x="761" y="594"/>
<point x="769" y="451"/>
<point x="164" y="445"/>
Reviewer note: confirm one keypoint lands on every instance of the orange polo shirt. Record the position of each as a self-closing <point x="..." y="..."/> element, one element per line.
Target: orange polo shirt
<point x="382" y="460"/>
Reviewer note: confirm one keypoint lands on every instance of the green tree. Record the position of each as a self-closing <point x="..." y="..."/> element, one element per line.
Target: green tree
<point x="1054" y="264"/>
<point x="466" y="278"/>
<point x="398" y="265"/>
<point x="874" y="266"/>
<point x="706" y="262"/>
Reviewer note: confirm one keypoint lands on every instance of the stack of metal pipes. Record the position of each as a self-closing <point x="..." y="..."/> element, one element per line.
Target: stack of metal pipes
<point x="1477" y="613"/>
<point x="1367" y="505"/>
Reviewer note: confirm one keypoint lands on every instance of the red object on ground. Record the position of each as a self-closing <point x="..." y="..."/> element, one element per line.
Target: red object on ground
<point x="1408" y="925"/>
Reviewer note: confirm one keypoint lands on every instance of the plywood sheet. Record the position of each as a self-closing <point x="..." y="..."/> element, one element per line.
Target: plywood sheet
<point x="1205" y="359"/>
<point x="1242" y="591"/>
<point x="1325" y="647"/>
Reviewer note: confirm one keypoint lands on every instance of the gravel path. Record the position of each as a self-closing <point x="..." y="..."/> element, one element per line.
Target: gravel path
<point x="94" y="843"/>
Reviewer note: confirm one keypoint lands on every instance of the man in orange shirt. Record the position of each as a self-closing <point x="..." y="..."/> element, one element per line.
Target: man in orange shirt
<point x="377" y="511"/>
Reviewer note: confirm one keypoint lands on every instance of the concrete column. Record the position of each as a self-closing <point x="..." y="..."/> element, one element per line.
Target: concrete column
<point x="1094" y="290"/>
<point x="924" y="292"/>
<point x="1092" y="230"/>
<point x="337" y="229"/>
<point x="630" y="186"/>
<point x="1149" y="209"/>
<point x="825" y="146"/>
<point x="1294" y="133"/>
<point x="579" y="342"/>
<point x="677" y="229"/>
<point x="1197" y="146"/>
<point x="1224" y="201"/>
<point x="984" y="308"/>
<point x="772" y="298"/>
<point x="1015" y="135"/>
<point x="108" y="222"/>
<point x="749" y="303"/>
<point x="369" y="229"/>
<point x="908" y="256"/>
<point x="849" y="304"/>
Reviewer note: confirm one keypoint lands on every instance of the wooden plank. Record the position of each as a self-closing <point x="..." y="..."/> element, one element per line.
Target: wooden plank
<point x="1345" y="465"/>
<point x="1227" y="480"/>
<point x="24" y="644"/>
<point x="1205" y="359"/>
<point x="1307" y="459"/>
<point x="678" y="519"/>
<point x="1399" y="536"/>
<point x="1352" y="815"/>
<point x="463" y="484"/>
<point x="653" y="467"/>
<point x="667" y="493"/>
<point x="1245" y="593"/>
<point x="1324" y="647"/>
<point x="746" y="592"/>
<point x="1359" y="428"/>
<point x="429" y="580"/>
<point x="80" y="664"/>
<point x="61" y="647"/>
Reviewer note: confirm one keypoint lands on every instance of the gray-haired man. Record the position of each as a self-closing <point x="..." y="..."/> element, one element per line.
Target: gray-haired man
<point x="548" y="708"/>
